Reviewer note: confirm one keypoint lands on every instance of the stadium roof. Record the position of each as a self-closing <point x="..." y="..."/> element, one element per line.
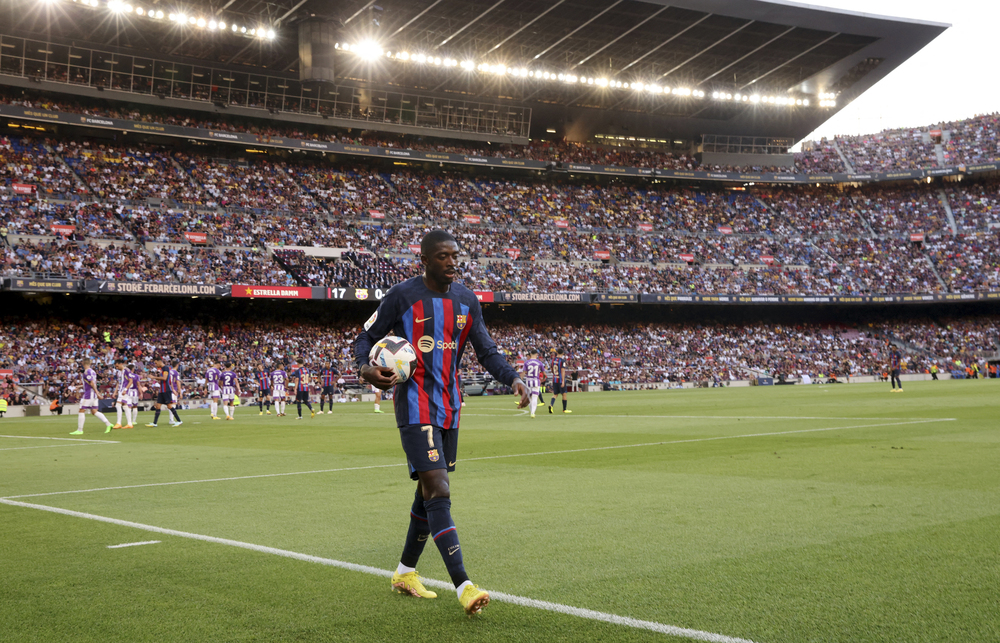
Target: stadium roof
<point x="735" y="47"/>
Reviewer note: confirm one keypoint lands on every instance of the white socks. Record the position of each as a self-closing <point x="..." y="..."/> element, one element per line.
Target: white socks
<point x="100" y="416"/>
<point x="461" y="588"/>
<point x="534" y="403"/>
<point x="118" y="407"/>
<point x="403" y="569"/>
<point x="215" y="408"/>
<point x="80" y="419"/>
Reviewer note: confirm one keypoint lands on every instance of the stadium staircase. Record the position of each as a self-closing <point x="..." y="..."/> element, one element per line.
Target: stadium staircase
<point x="80" y="182"/>
<point x="943" y="198"/>
<point x="315" y="199"/>
<point x="939" y="155"/>
<point x="930" y="262"/>
<point x="857" y="212"/>
<point x="843" y="158"/>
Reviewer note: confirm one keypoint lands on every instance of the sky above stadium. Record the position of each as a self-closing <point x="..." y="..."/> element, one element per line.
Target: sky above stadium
<point x="950" y="79"/>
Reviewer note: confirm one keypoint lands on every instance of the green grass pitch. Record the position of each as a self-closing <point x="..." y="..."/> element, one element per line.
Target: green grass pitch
<point x="776" y="515"/>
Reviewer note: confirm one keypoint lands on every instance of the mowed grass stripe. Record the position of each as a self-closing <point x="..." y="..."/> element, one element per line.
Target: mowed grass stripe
<point x="490" y="457"/>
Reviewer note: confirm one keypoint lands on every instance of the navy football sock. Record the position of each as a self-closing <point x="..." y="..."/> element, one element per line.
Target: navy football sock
<point x="156" y="418"/>
<point x="564" y="405"/>
<point x="176" y="417"/>
<point x="445" y="537"/>
<point x="417" y="535"/>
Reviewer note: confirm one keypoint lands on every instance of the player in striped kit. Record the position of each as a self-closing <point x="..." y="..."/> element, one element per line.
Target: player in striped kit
<point x="438" y="317"/>
<point x="328" y="380"/>
<point x="123" y="379"/>
<point x="169" y="382"/>
<point x="301" y="378"/>
<point x="279" y="378"/>
<point x="263" y="379"/>
<point x="89" y="400"/>
<point x="559" y="383"/>
<point x="534" y="373"/>
<point x="212" y="376"/>
<point x="229" y="382"/>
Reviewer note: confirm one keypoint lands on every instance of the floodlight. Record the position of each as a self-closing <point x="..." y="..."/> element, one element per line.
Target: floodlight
<point x="368" y="49"/>
<point x="192" y="20"/>
<point x="159" y="15"/>
<point x="242" y="29"/>
<point x="420" y="58"/>
<point x="603" y="82"/>
<point x="468" y="65"/>
<point x="140" y="11"/>
<point x="234" y="28"/>
<point x="115" y="5"/>
<point x="200" y="22"/>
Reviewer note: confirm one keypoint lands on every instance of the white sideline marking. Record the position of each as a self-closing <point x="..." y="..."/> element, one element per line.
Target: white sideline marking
<point x="486" y="457"/>
<point x="673" y="630"/>
<point x="145" y="542"/>
<point x="42" y="437"/>
<point x="47" y="446"/>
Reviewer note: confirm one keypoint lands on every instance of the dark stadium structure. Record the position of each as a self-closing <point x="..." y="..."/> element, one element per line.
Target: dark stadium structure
<point x="358" y="60"/>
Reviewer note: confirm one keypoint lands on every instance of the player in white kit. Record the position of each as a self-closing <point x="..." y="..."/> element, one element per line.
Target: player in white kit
<point x="89" y="401"/>
<point x="123" y="379"/>
<point x="229" y="382"/>
<point x="212" y="376"/>
<point x="279" y="377"/>
<point x="534" y="373"/>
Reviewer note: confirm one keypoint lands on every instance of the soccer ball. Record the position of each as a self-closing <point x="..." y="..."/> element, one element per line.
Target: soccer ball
<point x="395" y="353"/>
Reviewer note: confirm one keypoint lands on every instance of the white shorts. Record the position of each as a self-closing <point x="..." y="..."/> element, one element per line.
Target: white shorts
<point x="278" y="391"/>
<point x="228" y="393"/>
<point x="88" y="403"/>
<point x="215" y="392"/>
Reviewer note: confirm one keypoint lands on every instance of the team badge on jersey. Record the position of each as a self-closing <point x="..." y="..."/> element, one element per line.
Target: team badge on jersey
<point x="433" y="456"/>
<point x="460" y="321"/>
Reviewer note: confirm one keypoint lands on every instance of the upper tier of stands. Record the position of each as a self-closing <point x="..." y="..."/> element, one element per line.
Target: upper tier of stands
<point x="964" y="142"/>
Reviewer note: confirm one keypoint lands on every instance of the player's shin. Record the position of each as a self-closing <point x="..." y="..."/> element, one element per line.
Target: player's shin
<point x="534" y="403"/>
<point x="416" y="536"/>
<point x="446" y="537"/>
<point x="118" y="408"/>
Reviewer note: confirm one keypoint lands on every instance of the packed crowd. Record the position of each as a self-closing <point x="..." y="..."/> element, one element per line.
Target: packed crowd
<point x="69" y="259"/>
<point x="973" y="140"/>
<point x="50" y="351"/>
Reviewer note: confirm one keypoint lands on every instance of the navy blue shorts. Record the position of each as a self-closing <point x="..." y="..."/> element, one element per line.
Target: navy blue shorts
<point x="165" y="398"/>
<point x="327" y="390"/>
<point x="429" y="447"/>
<point x="302" y="396"/>
<point x="558" y="388"/>
<point x="264" y="392"/>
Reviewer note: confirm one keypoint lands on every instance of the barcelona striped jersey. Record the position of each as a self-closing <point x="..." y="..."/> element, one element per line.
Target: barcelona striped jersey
<point x="438" y="325"/>
<point x="329" y="376"/>
<point x="263" y="380"/>
<point x="302" y="376"/>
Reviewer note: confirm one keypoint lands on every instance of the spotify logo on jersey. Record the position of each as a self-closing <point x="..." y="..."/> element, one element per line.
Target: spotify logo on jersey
<point x="426" y="344"/>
